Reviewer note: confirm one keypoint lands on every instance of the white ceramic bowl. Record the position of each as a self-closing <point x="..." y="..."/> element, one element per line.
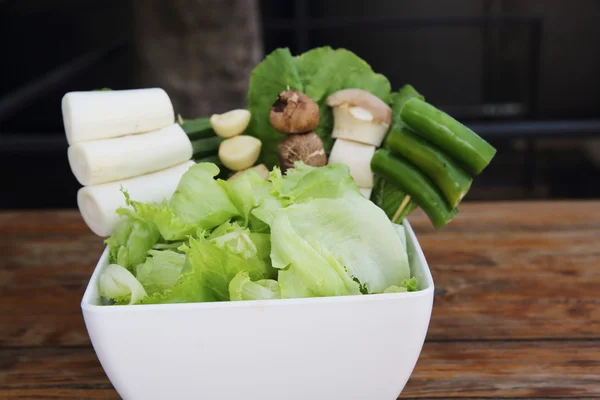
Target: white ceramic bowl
<point x="354" y="347"/>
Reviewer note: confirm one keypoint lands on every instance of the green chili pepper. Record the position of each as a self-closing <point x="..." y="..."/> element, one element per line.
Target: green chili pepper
<point x="406" y="93"/>
<point x="452" y="137"/>
<point x="416" y="184"/>
<point x="452" y="181"/>
<point x="393" y="201"/>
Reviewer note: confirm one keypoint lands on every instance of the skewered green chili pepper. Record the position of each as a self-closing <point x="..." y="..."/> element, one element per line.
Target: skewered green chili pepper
<point x="454" y="138"/>
<point x="416" y="184"/>
<point x="394" y="202"/>
<point x="452" y="181"/>
<point x="406" y="93"/>
<point x="206" y="147"/>
<point x="198" y="128"/>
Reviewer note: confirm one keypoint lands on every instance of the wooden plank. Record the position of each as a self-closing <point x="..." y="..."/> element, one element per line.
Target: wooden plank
<point x="53" y="373"/>
<point x="522" y="273"/>
<point x="42" y="222"/>
<point x="525" y="285"/>
<point x="445" y="370"/>
<point x="522" y="369"/>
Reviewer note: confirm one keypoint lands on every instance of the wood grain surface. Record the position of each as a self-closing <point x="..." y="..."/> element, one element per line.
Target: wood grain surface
<point x="516" y="312"/>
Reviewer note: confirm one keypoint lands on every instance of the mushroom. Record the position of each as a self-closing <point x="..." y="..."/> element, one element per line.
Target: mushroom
<point x="359" y="116"/>
<point x="306" y="147"/>
<point x="294" y="112"/>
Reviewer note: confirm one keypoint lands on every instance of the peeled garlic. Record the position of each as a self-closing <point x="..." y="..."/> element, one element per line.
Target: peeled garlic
<point x="240" y="152"/>
<point x="230" y="124"/>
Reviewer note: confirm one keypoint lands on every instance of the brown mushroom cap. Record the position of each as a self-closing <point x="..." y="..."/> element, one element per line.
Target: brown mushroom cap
<point x="294" y="112"/>
<point x="306" y="147"/>
<point x="382" y="113"/>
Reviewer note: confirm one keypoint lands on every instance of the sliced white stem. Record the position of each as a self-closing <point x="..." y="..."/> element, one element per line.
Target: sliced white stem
<point x="98" y="204"/>
<point x="357" y="156"/>
<point x="105" y="114"/>
<point x="230" y="124"/>
<point x="110" y="160"/>
<point x="240" y="152"/>
<point x="357" y="124"/>
<point x="366" y="192"/>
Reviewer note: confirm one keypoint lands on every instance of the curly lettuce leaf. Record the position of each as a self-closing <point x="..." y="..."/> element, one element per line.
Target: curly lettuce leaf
<point x="188" y="289"/>
<point x="407" y="285"/>
<point x="318" y="73"/>
<point x="160" y="271"/>
<point x="217" y="260"/>
<point x="241" y="287"/>
<point x="199" y="202"/>
<point x="118" y="283"/>
<point x="353" y="230"/>
<point x="313" y="269"/>
<point x="246" y="193"/>
<point x="132" y="238"/>
<point x="304" y="183"/>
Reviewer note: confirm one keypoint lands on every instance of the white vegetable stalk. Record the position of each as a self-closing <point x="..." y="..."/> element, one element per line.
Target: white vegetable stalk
<point x="106" y="114"/>
<point x="357" y="156"/>
<point x="109" y="160"/>
<point x="97" y="204"/>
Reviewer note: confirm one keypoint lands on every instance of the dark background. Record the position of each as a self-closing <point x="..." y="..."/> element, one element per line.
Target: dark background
<point x="524" y="74"/>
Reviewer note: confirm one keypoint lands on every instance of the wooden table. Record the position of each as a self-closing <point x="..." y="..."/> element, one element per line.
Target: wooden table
<point x="516" y="313"/>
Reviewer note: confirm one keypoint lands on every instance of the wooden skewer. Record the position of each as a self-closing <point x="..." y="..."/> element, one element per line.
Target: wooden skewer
<point x="401" y="208"/>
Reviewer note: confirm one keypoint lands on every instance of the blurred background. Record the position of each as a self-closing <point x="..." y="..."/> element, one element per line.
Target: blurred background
<point x="524" y="74"/>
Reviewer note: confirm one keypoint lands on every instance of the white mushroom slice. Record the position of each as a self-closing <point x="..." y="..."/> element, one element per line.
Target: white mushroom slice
<point x="359" y="116"/>
<point x="357" y="156"/>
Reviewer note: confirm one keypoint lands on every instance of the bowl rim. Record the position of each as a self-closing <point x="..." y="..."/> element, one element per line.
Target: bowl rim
<point x="87" y="305"/>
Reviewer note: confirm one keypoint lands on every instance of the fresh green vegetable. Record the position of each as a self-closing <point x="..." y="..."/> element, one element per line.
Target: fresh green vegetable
<point x="199" y="202"/>
<point x="161" y="270"/>
<point x="247" y="192"/>
<point x="452" y="180"/>
<point x="310" y="233"/>
<point x="216" y="262"/>
<point x="348" y="234"/>
<point x="131" y="240"/>
<point x="317" y="73"/>
<point x="198" y="128"/>
<point x="392" y="200"/>
<point x="415" y="183"/>
<point x="408" y="285"/>
<point x="304" y="183"/>
<point x="451" y="136"/>
<point x="241" y="287"/>
<point x="118" y="284"/>
<point x="206" y="147"/>
<point x="406" y="93"/>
